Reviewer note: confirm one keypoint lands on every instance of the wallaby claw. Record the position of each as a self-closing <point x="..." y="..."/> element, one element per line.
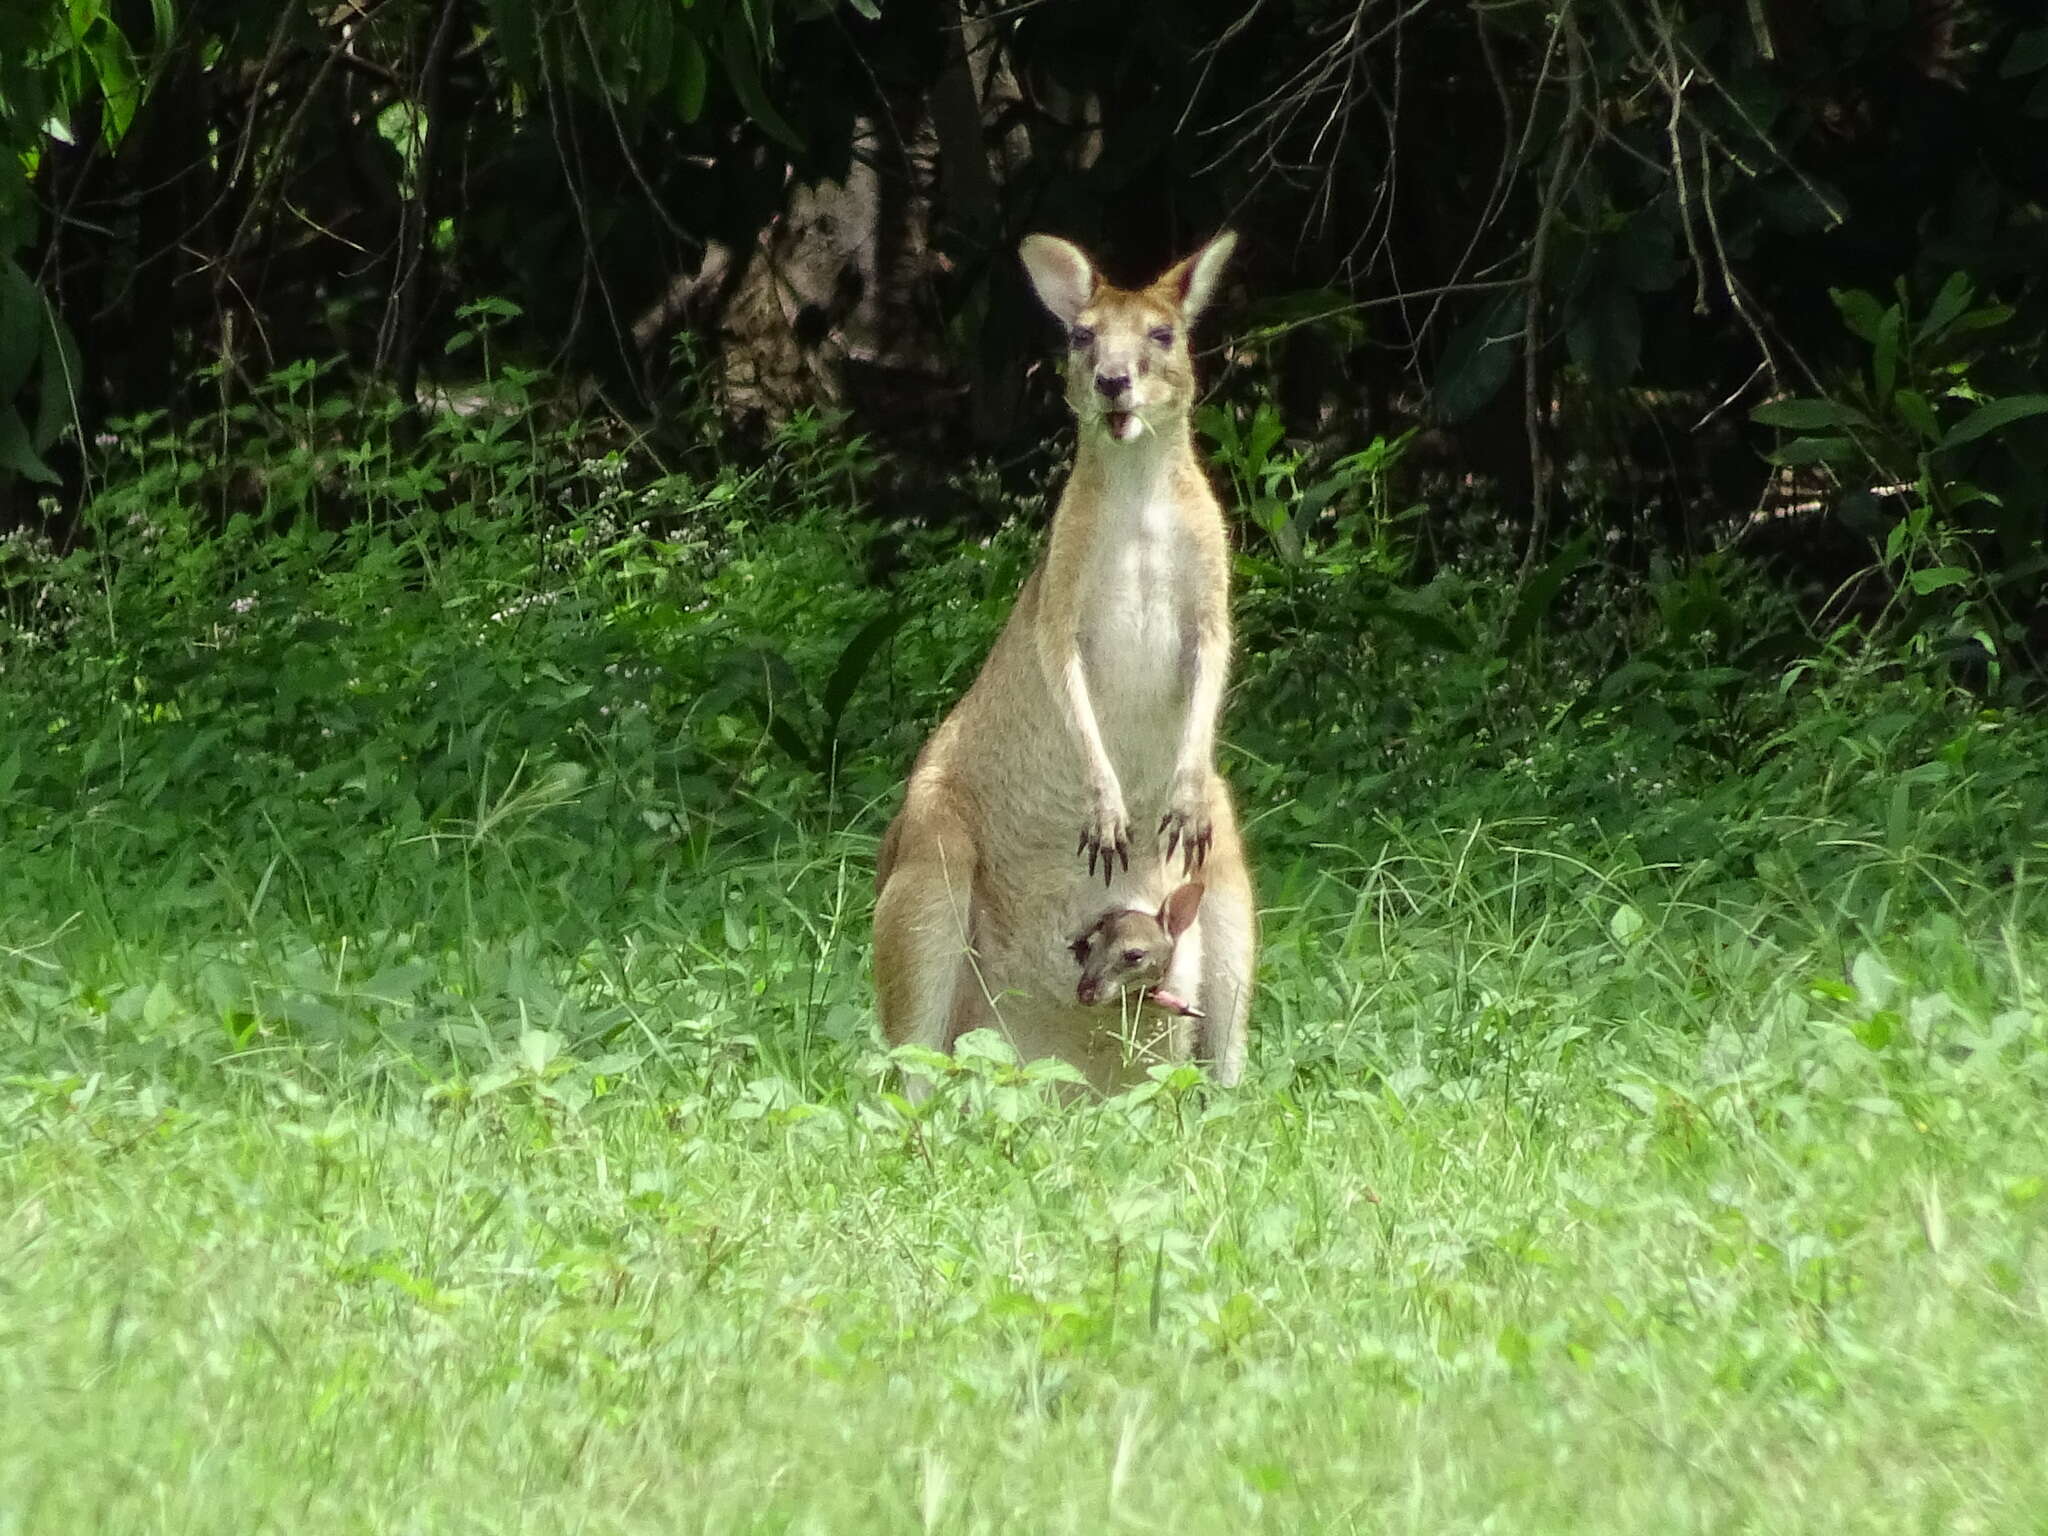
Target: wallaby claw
<point x="1190" y="835"/>
<point x="1106" y="839"/>
<point x="1108" y="852"/>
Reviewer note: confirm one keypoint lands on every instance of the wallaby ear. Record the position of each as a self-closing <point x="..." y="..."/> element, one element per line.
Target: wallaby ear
<point x="1180" y="908"/>
<point x="1063" y="276"/>
<point x="1191" y="282"/>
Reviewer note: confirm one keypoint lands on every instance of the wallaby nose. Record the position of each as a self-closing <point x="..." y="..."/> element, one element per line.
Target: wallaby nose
<point x="1085" y="992"/>
<point x="1112" y="386"/>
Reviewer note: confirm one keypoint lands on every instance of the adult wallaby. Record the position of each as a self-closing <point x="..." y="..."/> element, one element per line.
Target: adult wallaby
<point x="1080" y="764"/>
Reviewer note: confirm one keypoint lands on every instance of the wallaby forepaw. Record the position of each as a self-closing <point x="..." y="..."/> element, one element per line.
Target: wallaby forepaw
<point x="1189" y="831"/>
<point x="1106" y="838"/>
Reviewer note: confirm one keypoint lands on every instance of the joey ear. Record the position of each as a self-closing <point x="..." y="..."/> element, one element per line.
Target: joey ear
<point x="1180" y="908"/>
<point x="1191" y="282"/>
<point x="1062" y="275"/>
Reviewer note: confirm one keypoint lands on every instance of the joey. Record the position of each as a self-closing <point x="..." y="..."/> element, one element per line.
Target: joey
<point x="1132" y="950"/>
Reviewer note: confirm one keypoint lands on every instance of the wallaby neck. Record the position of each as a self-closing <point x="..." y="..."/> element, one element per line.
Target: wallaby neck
<point x="1134" y="475"/>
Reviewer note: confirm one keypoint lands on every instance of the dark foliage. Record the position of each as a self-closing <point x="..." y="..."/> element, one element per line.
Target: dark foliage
<point x="1576" y="243"/>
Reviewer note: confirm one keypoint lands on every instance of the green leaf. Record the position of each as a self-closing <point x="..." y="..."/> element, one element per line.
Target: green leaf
<point x="512" y="28"/>
<point x="1270" y="513"/>
<point x="1308" y="506"/>
<point x="538" y="1048"/>
<point x="1806" y="413"/>
<point x="1646" y="254"/>
<point x="1512" y="1345"/>
<point x="1884" y="362"/>
<point x="690" y="75"/>
<point x="745" y="677"/>
<point x="1860" y="312"/>
<point x="17" y="453"/>
<point x="1874" y="981"/>
<point x="743" y="69"/>
<point x="1477" y="360"/>
<point x="159" y="1008"/>
<point x="654" y="51"/>
<point x="1875" y="1033"/>
<point x="853" y="664"/>
<point x="787" y="736"/>
<point x="2028" y="53"/>
<point x="1606" y="338"/>
<point x="1988" y="318"/>
<point x="1429" y="628"/>
<point x="1220" y="427"/>
<point x="120" y="82"/>
<point x="21" y="317"/>
<point x="1934" y="578"/>
<point x="1541" y="590"/>
<point x="58" y="382"/>
<point x="1915" y="411"/>
<point x="1815" y="450"/>
<point x="1953" y="299"/>
<point x="1310" y="308"/>
<point x="1990" y="417"/>
<point x="1625" y="924"/>
<point x="20" y="217"/>
<point x="986" y="1046"/>
<point x="1800" y="205"/>
<point x="1642" y="1095"/>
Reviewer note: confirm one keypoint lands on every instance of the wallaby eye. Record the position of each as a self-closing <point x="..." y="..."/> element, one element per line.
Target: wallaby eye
<point x="1080" y="949"/>
<point x="1133" y="956"/>
<point x="1082" y="336"/>
<point x="1162" y="335"/>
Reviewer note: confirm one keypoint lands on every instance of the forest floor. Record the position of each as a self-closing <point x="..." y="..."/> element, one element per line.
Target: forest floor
<point x="438" y="1089"/>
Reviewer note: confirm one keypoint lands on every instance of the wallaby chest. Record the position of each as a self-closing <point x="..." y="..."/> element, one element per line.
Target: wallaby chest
<point x="1138" y="615"/>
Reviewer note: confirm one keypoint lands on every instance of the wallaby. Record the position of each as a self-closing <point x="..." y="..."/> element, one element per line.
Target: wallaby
<point x="1132" y="950"/>
<point x="1084" y="751"/>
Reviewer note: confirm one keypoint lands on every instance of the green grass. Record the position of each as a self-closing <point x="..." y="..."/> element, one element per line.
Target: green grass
<point x="438" y="1090"/>
<point x="1565" y="1223"/>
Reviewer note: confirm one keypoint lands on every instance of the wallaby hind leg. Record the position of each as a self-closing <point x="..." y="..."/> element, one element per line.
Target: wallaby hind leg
<point x="1229" y="923"/>
<point x="924" y="928"/>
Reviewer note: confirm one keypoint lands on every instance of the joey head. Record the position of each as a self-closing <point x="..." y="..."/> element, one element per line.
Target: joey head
<point x="1131" y="950"/>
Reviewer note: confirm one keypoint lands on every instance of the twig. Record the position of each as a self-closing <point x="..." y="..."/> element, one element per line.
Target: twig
<point x="1737" y="294"/>
<point x="399" y="342"/>
<point x="1533" y="405"/>
<point x="619" y="132"/>
<point x="589" y="272"/>
<point x="1505" y="173"/>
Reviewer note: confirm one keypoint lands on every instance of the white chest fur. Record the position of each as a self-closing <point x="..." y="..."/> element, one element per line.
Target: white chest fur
<point x="1137" y="630"/>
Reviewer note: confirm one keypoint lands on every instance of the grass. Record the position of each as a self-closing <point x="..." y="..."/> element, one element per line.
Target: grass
<point x="1515" y="1223"/>
<point x="439" y="1094"/>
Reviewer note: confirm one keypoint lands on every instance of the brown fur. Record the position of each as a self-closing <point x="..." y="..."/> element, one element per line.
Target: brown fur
<point x="1079" y="766"/>
<point x="1131" y="950"/>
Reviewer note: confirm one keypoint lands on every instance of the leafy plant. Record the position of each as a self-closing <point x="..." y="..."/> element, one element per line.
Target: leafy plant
<point x="1927" y="456"/>
<point x="54" y="62"/>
